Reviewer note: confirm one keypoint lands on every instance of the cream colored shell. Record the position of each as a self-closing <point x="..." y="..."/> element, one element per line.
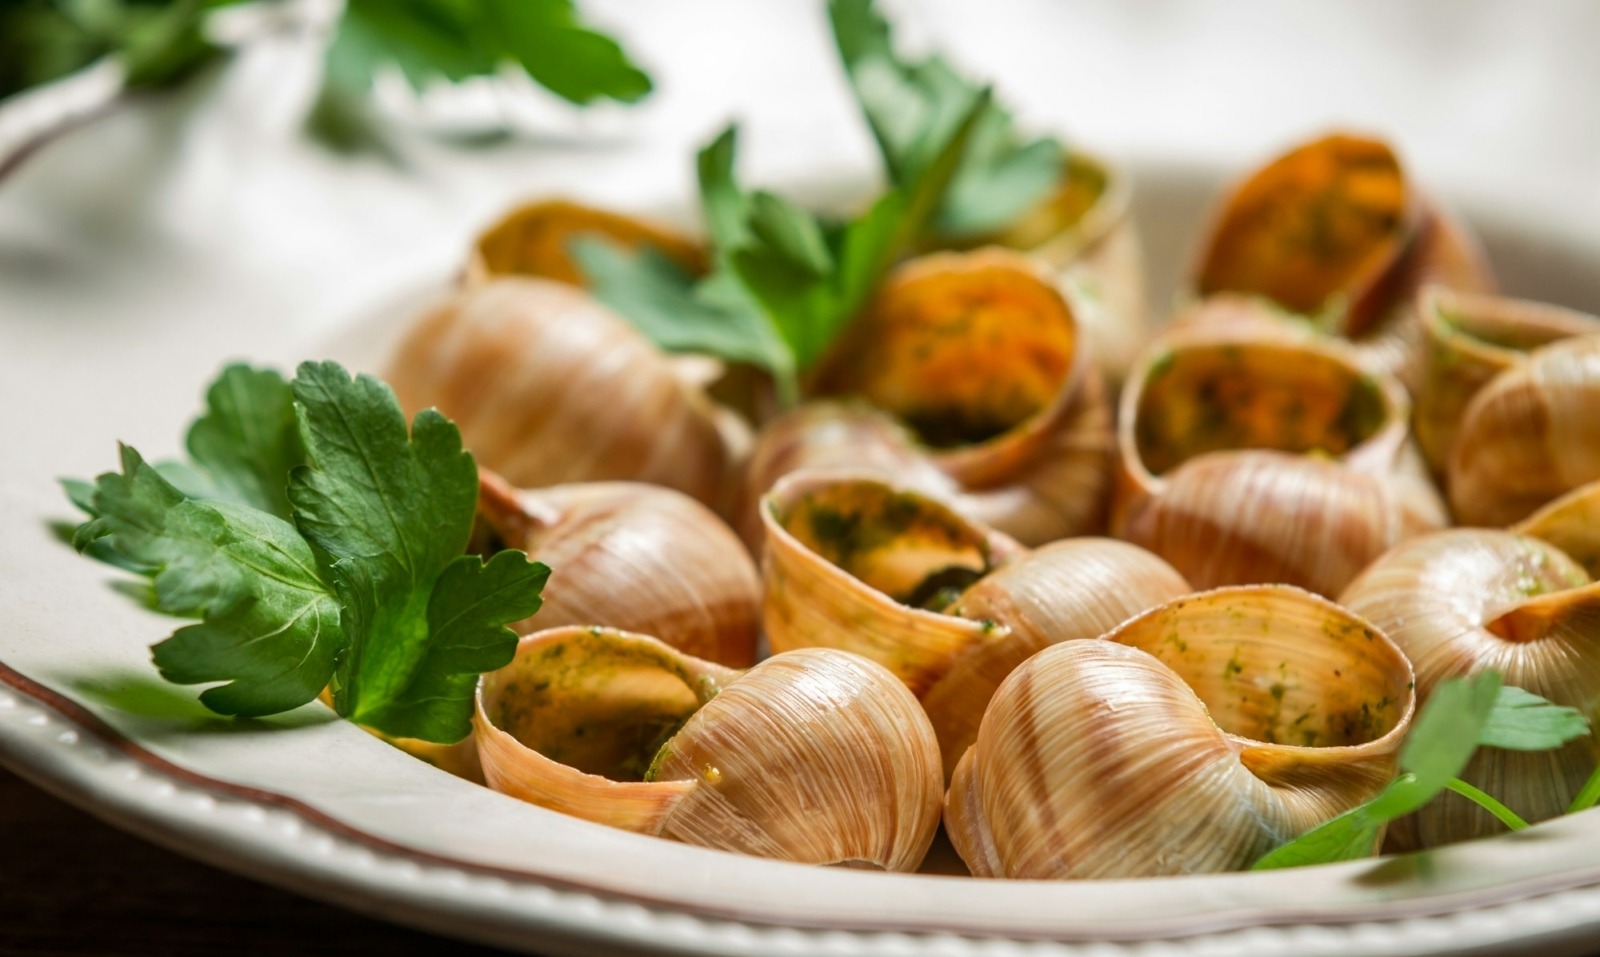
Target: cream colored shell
<point x="1319" y="480"/>
<point x="1530" y="436"/>
<point x="1465" y="600"/>
<point x="1001" y="605"/>
<point x="817" y="756"/>
<point x="548" y="386"/>
<point x="1470" y="339"/>
<point x="633" y="557"/>
<point x="1192" y="739"/>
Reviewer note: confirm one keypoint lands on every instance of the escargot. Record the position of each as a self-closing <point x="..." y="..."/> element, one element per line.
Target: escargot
<point x="1251" y="451"/>
<point x="1470" y="339"/>
<point x="535" y="239"/>
<point x="1084" y="233"/>
<point x="633" y="557"/>
<point x="967" y="375"/>
<point x="1461" y="601"/>
<point x="1529" y="436"/>
<point x="1335" y="229"/>
<point x="1191" y="739"/>
<point x="948" y="606"/>
<point x="815" y="756"/>
<point x="549" y="386"/>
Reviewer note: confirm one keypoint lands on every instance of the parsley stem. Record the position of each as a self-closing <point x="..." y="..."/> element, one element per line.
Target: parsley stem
<point x="1507" y="816"/>
<point x="1589" y="794"/>
<point x="788" y="390"/>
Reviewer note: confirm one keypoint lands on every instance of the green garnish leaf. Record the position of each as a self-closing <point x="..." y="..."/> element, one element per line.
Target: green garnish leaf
<point x="664" y="302"/>
<point x="367" y="589"/>
<point x="246" y="443"/>
<point x="1449" y="729"/>
<point x="911" y="106"/>
<point x="954" y="159"/>
<point x="1522" y="721"/>
<point x="159" y="43"/>
<point x="270" y="625"/>
<point x="786" y="282"/>
<point x="395" y="507"/>
<point x="1460" y="716"/>
<point x="433" y="39"/>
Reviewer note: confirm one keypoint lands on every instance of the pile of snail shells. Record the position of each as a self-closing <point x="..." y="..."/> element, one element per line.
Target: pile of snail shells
<point x="1103" y="599"/>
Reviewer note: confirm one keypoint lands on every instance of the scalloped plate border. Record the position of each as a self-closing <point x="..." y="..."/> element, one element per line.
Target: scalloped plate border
<point x="60" y="746"/>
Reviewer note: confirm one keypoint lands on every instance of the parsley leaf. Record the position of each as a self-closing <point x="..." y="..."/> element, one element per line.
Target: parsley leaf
<point x="242" y="450"/>
<point x="159" y="43"/>
<point x="395" y="508"/>
<point x="912" y="105"/>
<point x="1461" y="716"/>
<point x="785" y="282"/>
<point x="321" y="543"/>
<point x="270" y="626"/>
<point x="1522" y="721"/>
<point x="664" y="302"/>
<point x="247" y="442"/>
<point x="430" y="39"/>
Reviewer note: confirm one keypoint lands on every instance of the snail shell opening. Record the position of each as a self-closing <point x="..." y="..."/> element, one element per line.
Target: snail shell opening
<point x="855" y="563"/>
<point x="961" y="347"/>
<point x="1252" y="452"/>
<point x="535" y="240"/>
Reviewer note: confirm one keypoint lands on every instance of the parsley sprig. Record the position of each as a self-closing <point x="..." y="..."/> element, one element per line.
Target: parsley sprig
<point x="321" y="543"/>
<point x="454" y="40"/>
<point x="787" y="281"/>
<point x="160" y="43"/>
<point x="1460" y="716"/>
<point x="908" y="102"/>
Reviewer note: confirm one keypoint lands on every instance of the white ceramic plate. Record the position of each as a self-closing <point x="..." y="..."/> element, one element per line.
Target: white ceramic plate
<point x="316" y="805"/>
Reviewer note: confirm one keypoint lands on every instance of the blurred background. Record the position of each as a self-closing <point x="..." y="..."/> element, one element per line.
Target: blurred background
<point x="1487" y="100"/>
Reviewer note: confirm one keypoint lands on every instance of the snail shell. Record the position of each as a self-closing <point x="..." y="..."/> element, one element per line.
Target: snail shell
<point x="1335" y="229"/>
<point x="853" y="562"/>
<point x="1572" y="524"/>
<point x="1529" y="436"/>
<point x="1470" y="339"/>
<point x="1192" y="739"/>
<point x="981" y="360"/>
<point x="816" y="756"/>
<point x="548" y="386"/>
<point x="948" y="606"/>
<point x="1069" y="590"/>
<point x="533" y="240"/>
<point x="1254" y="452"/>
<point x="633" y="557"/>
<point x="1465" y="600"/>
<point x="1084" y="233"/>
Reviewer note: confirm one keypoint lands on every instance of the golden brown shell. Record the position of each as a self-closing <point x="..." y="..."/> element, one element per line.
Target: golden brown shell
<point x="1254" y="452"/>
<point x="1334" y="229"/>
<point x="534" y="240"/>
<point x="633" y="557"/>
<point x="1193" y="739"/>
<point x="1529" y="436"/>
<point x="967" y="378"/>
<point x="1462" y="601"/>
<point x="548" y="386"/>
